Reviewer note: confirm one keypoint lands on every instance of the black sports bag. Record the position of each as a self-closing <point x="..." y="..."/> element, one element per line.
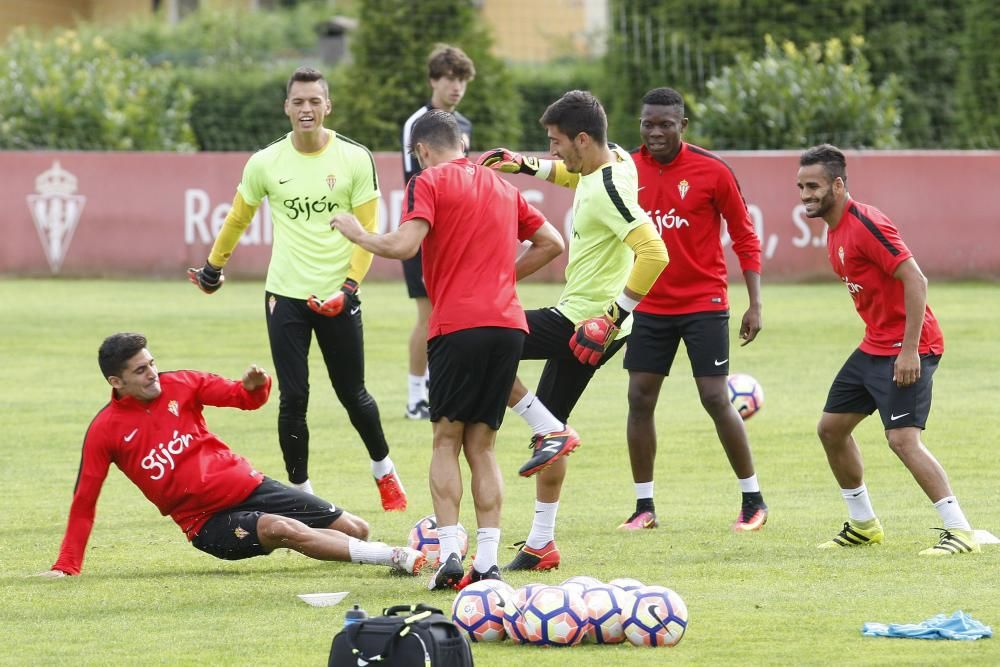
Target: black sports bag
<point x="424" y="637"/>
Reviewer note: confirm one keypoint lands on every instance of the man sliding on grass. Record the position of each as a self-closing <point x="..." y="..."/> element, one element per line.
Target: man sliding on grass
<point x="154" y="431"/>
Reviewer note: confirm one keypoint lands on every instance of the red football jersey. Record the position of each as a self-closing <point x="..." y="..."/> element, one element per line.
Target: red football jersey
<point x="865" y="250"/>
<point x="164" y="448"/>
<point x="687" y="200"/>
<point x="476" y="219"/>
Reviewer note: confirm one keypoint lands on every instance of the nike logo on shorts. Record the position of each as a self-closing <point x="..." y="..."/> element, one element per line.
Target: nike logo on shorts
<point x="895" y="417"/>
<point x="128" y="438"/>
<point x="719" y="363"/>
<point x="354" y="311"/>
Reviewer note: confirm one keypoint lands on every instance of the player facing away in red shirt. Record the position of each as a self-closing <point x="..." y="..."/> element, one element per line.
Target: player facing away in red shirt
<point x="153" y="430"/>
<point x="891" y="370"/>
<point x="687" y="192"/>
<point x="468" y="221"/>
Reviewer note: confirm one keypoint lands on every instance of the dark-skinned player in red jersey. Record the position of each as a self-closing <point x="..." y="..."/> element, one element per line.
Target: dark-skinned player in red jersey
<point x="892" y="369"/>
<point x="153" y="430"/>
<point x="687" y="191"/>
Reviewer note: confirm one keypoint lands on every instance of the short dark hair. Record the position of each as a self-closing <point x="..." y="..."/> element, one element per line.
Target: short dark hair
<point x="307" y="74"/>
<point x="831" y="157"/>
<point x="450" y="60"/>
<point x="575" y="112"/>
<point x="437" y="128"/>
<point x="116" y="350"/>
<point x="664" y="97"/>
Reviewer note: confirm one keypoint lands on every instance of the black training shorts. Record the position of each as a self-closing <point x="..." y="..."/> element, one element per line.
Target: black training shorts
<point x="564" y="378"/>
<point x="472" y="372"/>
<point x="413" y="273"/>
<point x="232" y="533"/>
<point x="865" y="384"/>
<point x="655" y="338"/>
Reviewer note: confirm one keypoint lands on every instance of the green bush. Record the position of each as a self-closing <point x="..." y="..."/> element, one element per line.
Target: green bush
<point x="68" y="93"/>
<point x="792" y="98"/>
<point x="539" y="86"/>
<point x="244" y="117"/>
<point x="211" y="37"/>
<point x="979" y="79"/>
<point x="388" y="78"/>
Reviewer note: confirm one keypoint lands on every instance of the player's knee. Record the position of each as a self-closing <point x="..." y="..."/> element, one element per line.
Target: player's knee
<point x="826" y="432"/>
<point x="640" y="402"/>
<point x="354" y="526"/>
<point x="292" y="406"/>
<point x="283" y="531"/>
<point x="715" y="403"/>
<point x="903" y="440"/>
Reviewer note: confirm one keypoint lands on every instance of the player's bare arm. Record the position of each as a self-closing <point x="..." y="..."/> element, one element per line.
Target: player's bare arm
<point x="907" y="367"/>
<point x="400" y="244"/>
<point x="546" y="245"/>
<point x="752" y="322"/>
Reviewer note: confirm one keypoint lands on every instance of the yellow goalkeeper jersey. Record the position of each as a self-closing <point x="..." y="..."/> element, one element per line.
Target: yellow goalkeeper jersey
<point x="305" y="190"/>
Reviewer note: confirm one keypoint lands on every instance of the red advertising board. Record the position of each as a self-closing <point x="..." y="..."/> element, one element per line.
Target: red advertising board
<point x="154" y="214"/>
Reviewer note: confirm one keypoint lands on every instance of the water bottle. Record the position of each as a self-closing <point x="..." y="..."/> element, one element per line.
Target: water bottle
<point x="354" y="615"/>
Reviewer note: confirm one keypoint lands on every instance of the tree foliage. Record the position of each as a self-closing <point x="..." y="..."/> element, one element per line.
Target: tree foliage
<point x="978" y="92"/>
<point x="67" y="93"/>
<point x="791" y="98"/>
<point x="388" y="78"/>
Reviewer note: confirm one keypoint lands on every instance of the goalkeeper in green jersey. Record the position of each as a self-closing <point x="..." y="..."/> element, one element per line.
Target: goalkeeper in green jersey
<point x="313" y="279"/>
<point x="615" y="255"/>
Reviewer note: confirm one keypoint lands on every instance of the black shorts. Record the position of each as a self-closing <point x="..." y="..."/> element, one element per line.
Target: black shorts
<point x="413" y="273"/>
<point x="564" y="378"/>
<point x="655" y="338"/>
<point x="472" y="372"/>
<point x="865" y="384"/>
<point x="232" y="533"/>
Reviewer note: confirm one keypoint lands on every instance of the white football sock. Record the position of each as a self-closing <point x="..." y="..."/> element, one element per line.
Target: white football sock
<point x="369" y="553"/>
<point x="382" y="468"/>
<point x="644" y="490"/>
<point x="448" y="539"/>
<point x="859" y="505"/>
<point x="951" y="514"/>
<point x="417" y="389"/>
<point x="750" y="484"/>
<point x="539" y="418"/>
<point x="305" y="486"/>
<point x="543" y="527"/>
<point x="487" y="541"/>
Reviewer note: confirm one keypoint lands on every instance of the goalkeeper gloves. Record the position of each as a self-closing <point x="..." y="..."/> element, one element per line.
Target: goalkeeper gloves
<point x="347" y="297"/>
<point x="208" y="278"/>
<point x="593" y="336"/>
<point x="509" y="162"/>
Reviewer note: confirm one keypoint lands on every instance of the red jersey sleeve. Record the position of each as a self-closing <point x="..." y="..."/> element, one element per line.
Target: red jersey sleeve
<point x="419" y="199"/>
<point x="878" y="245"/>
<point x="731" y="204"/>
<point x="223" y="393"/>
<point x="529" y="218"/>
<point x="94" y="463"/>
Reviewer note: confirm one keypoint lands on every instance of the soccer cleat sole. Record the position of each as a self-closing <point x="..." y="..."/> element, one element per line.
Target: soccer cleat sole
<point x="570" y="447"/>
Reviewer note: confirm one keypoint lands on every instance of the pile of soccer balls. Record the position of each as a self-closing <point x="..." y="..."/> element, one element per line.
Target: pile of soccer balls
<point x="580" y="609"/>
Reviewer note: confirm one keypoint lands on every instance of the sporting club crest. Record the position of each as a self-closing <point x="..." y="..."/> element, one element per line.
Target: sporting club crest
<point x="331" y="180"/>
<point x="840" y="253"/>
<point x="56" y="211"/>
<point x="172" y="408"/>
<point x="683" y="187"/>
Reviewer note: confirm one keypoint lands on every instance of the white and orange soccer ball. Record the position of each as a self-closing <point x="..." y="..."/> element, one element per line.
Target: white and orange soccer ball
<point x="581" y="583"/>
<point x="424" y="538"/>
<point x="478" y="612"/>
<point x="605" y="608"/>
<point x="658" y="617"/>
<point x="746" y="394"/>
<point x="626" y="583"/>
<point x="554" y="616"/>
<point x="513" y="620"/>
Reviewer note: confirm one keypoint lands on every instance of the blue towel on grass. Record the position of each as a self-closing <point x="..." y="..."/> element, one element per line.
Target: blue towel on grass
<point x="957" y="626"/>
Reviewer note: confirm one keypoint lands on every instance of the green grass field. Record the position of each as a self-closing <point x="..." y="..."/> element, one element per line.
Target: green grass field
<point x="770" y="598"/>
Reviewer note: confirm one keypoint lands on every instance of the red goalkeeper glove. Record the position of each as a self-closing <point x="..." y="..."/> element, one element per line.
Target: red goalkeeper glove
<point x="593" y="336"/>
<point x="509" y="162"/>
<point x="208" y="278"/>
<point x="347" y="296"/>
